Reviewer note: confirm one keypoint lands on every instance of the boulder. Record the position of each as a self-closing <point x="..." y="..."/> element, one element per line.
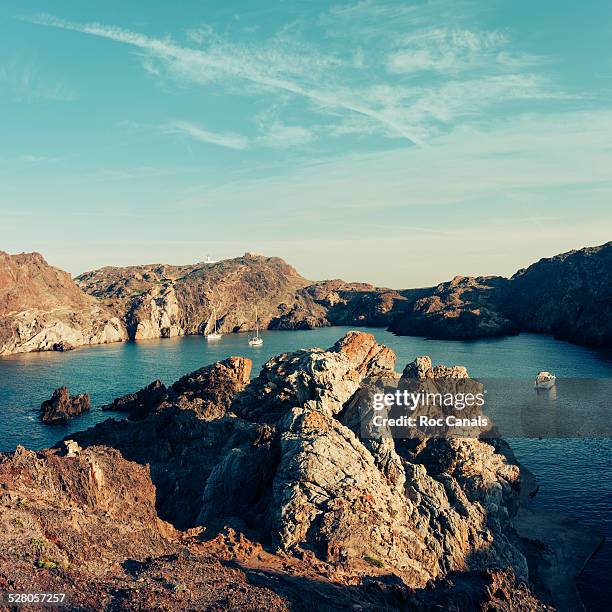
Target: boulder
<point x="62" y="406"/>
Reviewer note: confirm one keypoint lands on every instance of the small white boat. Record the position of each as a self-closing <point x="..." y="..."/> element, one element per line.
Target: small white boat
<point x="256" y="340"/>
<point x="545" y="380"/>
<point x="214" y="334"/>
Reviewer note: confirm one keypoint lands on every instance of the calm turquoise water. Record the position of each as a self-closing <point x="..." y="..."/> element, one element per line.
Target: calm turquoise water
<point x="574" y="475"/>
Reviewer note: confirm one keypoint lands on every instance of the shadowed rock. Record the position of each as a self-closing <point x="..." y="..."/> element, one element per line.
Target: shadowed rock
<point x="63" y="406"/>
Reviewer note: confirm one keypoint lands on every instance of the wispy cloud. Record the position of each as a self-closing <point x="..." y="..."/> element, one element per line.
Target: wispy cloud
<point x="230" y="141"/>
<point x="281" y="136"/>
<point x="26" y="81"/>
<point x="463" y="71"/>
<point x="446" y="50"/>
<point x="529" y="161"/>
<point x="203" y="67"/>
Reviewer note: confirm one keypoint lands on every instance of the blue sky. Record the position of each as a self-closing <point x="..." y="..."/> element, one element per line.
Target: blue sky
<point x="394" y="142"/>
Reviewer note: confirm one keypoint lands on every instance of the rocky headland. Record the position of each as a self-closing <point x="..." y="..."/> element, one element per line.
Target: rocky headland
<point x="165" y="301"/>
<point x="568" y="296"/>
<point x="222" y="492"/>
<point x="42" y="308"/>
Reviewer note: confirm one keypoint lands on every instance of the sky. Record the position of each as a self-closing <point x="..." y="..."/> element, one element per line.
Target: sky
<point x="398" y="143"/>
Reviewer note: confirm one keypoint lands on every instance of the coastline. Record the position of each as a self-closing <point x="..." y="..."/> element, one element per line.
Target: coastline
<point x="525" y="522"/>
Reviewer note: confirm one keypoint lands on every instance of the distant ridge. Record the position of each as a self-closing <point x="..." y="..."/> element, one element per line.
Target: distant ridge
<point x="43" y="308"/>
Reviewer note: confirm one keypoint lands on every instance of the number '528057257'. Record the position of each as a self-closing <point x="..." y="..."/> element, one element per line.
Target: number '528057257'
<point x="33" y="598"/>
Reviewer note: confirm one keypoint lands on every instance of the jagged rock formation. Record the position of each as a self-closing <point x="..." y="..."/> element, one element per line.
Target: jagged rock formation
<point x="63" y="406"/>
<point x="274" y="477"/>
<point x="42" y="309"/>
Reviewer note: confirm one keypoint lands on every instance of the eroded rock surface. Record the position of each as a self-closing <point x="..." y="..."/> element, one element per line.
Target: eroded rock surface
<point x="269" y="484"/>
<point x="164" y="301"/>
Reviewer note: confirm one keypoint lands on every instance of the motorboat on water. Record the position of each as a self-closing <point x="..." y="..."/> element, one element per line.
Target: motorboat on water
<point x="545" y="380"/>
<point x="214" y="334"/>
<point x="256" y="340"/>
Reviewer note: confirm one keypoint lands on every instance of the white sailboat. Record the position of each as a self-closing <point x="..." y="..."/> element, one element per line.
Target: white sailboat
<point x="215" y="334"/>
<point x="545" y="380"/>
<point x="256" y="340"/>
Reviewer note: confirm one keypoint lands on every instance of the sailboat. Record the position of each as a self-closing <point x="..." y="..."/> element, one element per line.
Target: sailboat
<point x="545" y="380"/>
<point x="256" y="340"/>
<point x="214" y="335"/>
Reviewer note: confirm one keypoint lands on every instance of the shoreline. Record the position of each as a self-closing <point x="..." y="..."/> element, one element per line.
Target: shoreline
<point x="597" y="349"/>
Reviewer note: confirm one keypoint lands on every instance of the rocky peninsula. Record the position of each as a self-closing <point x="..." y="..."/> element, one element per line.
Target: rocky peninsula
<point x="222" y="492"/>
<point x="43" y="308"/>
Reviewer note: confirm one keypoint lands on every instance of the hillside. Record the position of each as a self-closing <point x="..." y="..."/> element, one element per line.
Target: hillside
<point x="41" y="308"/>
<point x="568" y="296"/>
<point x="164" y="301"/>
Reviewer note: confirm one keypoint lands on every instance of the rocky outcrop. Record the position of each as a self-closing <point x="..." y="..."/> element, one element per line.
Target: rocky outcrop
<point x="270" y="484"/>
<point x="208" y="391"/>
<point x="164" y="301"/>
<point x="335" y="302"/>
<point x="62" y="406"/>
<point x="141" y="402"/>
<point x="42" y="309"/>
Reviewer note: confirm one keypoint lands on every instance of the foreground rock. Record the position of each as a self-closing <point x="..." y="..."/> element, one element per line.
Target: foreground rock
<point x="224" y="494"/>
<point x="62" y="406"/>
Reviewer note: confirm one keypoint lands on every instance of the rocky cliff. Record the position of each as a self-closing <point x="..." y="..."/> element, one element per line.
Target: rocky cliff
<point x="460" y="309"/>
<point x="41" y="308"/>
<point x="220" y="493"/>
<point x="163" y="301"/>
<point x="569" y="296"/>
